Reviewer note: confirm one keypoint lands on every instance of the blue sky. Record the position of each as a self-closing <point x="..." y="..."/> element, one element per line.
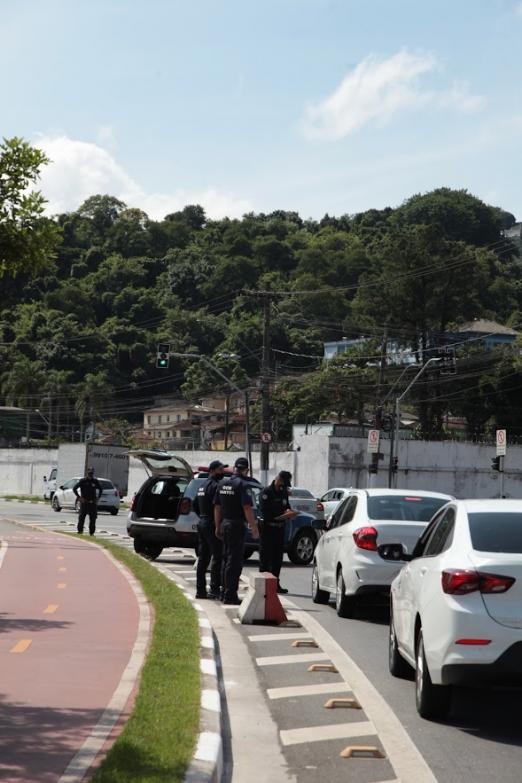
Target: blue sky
<point x="310" y="105"/>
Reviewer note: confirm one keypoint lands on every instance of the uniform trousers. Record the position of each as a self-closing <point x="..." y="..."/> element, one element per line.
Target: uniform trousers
<point x="90" y="509"/>
<point x="271" y="548"/>
<point x="233" y="556"/>
<point x="210" y="550"/>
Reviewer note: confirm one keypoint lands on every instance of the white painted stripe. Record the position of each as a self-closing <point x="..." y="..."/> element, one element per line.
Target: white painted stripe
<point x="180" y="570"/>
<point x="290" y="691"/>
<point x="3" y="550"/>
<point x="190" y="578"/>
<point x="275" y="637"/>
<point x="78" y="767"/>
<point x="208" y="747"/>
<point x="208" y="666"/>
<point x="322" y="733"/>
<point x="275" y="660"/>
<point x="207" y="642"/>
<point x="204" y="623"/>
<point x="210" y="700"/>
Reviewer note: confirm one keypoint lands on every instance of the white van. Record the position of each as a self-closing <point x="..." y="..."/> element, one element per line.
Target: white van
<point x="49" y="483"/>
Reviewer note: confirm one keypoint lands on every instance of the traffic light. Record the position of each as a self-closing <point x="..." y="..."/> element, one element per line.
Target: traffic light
<point x="395" y="465"/>
<point x="163" y="356"/>
<point x="495" y="463"/>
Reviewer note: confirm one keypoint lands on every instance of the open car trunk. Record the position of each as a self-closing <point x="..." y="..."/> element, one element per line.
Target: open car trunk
<point x="160" y="497"/>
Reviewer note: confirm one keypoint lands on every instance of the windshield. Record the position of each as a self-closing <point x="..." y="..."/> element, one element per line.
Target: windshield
<point x="406" y="508"/>
<point x="106" y="484"/>
<point x="494" y="531"/>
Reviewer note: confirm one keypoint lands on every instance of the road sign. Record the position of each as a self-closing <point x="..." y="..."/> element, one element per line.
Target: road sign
<point x="501" y="443"/>
<point x="266" y="437"/>
<point x="373" y="441"/>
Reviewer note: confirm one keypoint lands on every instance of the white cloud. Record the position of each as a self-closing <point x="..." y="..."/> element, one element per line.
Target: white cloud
<point x="518" y="9"/>
<point x="80" y="169"/>
<point x="376" y="89"/>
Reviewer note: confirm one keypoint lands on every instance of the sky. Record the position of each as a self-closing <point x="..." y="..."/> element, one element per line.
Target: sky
<point x="315" y="106"/>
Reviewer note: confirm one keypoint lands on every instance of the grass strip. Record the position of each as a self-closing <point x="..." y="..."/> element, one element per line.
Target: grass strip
<point x="30" y="498"/>
<point x="158" y="741"/>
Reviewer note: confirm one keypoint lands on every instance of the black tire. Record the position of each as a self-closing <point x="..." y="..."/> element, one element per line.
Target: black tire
<point x="147" y="549"/>
<point x="432" y="701"/>
<point x="77" y="505"/>
<point x="302" y="548"/>
<point x="318" y="596"/>
<point x="248" y="552"/>
<point x="396" y="663"/>
<point x="114" y="511"/>
<point x="344" y="604"/>
<point x="55" y="505"/>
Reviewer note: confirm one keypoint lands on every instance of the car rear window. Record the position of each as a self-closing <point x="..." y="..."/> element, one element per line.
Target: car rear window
<point x="300" y="493"/>
<point x="496" y="531"/>
<point x="106" y="484"/>
<point x="404" y="508"/>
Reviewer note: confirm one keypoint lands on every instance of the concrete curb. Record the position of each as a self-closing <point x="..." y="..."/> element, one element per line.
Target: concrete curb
<point x="207" y="763"/>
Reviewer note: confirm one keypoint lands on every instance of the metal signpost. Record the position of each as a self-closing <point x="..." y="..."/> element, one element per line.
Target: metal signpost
<point x="501" y="453"/>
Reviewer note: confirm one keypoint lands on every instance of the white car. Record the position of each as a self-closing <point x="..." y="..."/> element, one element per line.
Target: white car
<point x="456" y="608"/>
<point x="64" y="497"/>
<point x="303" y="500"/>
<point x="360" y="551"/>
<point x="332" y="498"/>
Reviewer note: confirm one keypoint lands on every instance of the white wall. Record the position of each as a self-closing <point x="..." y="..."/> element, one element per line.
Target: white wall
<point x="22" y="470"/>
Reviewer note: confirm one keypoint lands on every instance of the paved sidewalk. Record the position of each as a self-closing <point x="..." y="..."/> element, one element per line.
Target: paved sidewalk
<point x="69" y="624"/>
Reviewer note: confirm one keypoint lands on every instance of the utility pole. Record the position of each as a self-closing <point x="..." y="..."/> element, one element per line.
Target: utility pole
<point x="266" y="426"/>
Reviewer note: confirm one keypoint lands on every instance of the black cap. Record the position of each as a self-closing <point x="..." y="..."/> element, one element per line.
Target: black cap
<point x="215" y="464"/>
<point x="286" y="477"/>
<point x="241" y="463"/>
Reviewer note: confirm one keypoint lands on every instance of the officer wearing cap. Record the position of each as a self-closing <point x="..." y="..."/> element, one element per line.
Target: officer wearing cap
<point x="274" y="510"/>
<point x="90" y="491"/>
<point x="232" y="508"/>
<point x="210" y="547"/>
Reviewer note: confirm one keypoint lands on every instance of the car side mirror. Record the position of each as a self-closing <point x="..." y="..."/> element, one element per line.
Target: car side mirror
<point x="45" y="478"/>
<point x="61" y="486"/>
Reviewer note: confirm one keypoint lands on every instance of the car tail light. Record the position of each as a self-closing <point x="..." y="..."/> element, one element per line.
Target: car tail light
<point x="185" y="506"/>
<point x="456" y="582"/>
<point x="133" y="503"/>
<point x="366" y="538"/>
<point x="319" y="506"/>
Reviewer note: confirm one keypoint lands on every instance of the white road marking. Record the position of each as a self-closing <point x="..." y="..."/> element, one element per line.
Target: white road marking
<point x="210" y="700"/>
<point x="3" y="550"/>
<point x="208" y="666"/>
<point x="290" y="691"/>
<point x="322" y="733"/>
<point x="208" y="747"/>
<point x="275" y="637"/>
<point x="274" y="660"/>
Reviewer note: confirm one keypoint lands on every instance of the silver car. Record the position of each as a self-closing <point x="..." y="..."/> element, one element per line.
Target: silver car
<point x="303" y="500"/>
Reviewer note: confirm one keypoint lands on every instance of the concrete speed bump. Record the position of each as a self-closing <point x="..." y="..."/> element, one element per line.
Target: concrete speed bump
<point x="323" y="667"/>
<point x="305" y="643"/>
<point x="347" y="702"/>
<point x="362" y="752"/>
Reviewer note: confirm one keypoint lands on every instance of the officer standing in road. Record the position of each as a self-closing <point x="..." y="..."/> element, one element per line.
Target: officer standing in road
<point x="232" y="508"/>
<point x="89" y="487"/>
<point x="274" y="510"/>
<point x="209" y="545"/>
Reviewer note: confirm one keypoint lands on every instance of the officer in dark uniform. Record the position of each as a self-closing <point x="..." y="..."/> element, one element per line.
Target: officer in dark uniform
<point x="232" y="508"/>
<point x="274" y="510"/>
<point x="209" y="545"/>
<point x="90" y="492"/>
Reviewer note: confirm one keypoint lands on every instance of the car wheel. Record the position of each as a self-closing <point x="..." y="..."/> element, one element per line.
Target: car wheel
<point x="302" y="548"/>
<point x="55" y="505"/>
<point x="114" y="511"/>
<point x="344" y="604"/>
<point x="318" y="596"/>
<point x="432" y="701"/>
<point x="248" y="552"/>
<point x="397" y="665"/>
<point x="147" y="549"/>
<point x="77" y="505"/>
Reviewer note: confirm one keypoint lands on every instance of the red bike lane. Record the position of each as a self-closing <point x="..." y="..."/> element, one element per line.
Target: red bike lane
<point x="69" y="620"/>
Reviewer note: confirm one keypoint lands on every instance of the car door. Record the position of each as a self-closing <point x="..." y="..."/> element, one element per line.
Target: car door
<point x="343" y="540"/>
<point x="425" y="576"/>
<point x="68" y="496"/>
<point x="324" y="552"/>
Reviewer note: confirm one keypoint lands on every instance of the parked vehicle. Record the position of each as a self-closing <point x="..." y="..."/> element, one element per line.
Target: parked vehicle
<point x="49" y="483"/>
<point x="162" y="513"/>
<point x="359" y="553"/>
<point x="64" y="496"/>
<point x="112" y="462"/>
<point x="456" y="608"/>
<point x="303" y="500"/>
<point x="332" y="498"/>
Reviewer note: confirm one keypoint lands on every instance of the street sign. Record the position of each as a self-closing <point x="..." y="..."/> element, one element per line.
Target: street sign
<point x="501" y="443"/>
<point x="373" y="441"/>
<point x="266" y="437"/>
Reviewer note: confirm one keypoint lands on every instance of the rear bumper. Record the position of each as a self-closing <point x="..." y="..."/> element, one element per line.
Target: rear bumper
<point x="166" y="535"/>
<point x="506" y="670"/>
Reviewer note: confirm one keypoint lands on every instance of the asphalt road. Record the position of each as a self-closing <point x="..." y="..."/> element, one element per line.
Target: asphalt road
<point x="481" y="741"/>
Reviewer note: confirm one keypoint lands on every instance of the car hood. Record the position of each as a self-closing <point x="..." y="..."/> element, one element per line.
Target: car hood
<point x="161" y="463"/>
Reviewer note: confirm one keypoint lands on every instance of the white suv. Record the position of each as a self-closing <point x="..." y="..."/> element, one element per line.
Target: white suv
<point x="361" y="550"/>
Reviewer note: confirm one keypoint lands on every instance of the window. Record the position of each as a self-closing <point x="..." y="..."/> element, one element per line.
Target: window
<point x="70" y="484"/>
<point x="496" y="531"/>
<point x="442" y="534"/>
<point x="300" y="493"/>
<point x="178" y="417"/>
<point x="336" y="516"/>
<point x="420" y="546"/>
<point x="349" y="510"/>
<point x="168" y="418"/>
<point x="406" y="508"/>
<point x="52" y="474"/>
<point x="160" y="418"/>
<point x="149" y="419"/>
<point x="327" y="496"/>
<point x="106" y="484"/>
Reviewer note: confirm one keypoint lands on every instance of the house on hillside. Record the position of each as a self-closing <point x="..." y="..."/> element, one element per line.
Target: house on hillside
<point x="484" y="332"/>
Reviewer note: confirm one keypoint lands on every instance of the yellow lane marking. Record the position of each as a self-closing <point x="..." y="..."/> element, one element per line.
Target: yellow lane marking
<point x="63" y="568"/>
<point x="51" y="609"/>
<point x="61" y="585"/>
<point x="21" y="646"/>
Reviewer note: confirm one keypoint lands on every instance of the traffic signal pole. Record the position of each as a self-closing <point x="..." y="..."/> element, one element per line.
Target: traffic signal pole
<point x="266" y="425"/>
